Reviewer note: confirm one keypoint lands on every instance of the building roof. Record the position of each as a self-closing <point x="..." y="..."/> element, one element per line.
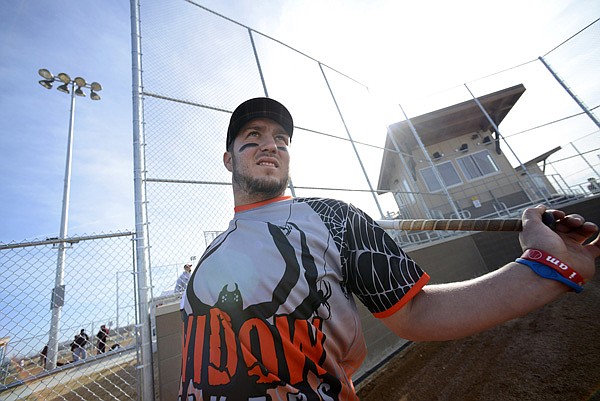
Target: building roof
<point x="540" y="158"/>
<point x="447" y="123"/>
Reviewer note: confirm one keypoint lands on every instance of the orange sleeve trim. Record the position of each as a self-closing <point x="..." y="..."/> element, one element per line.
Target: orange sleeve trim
<point x="407" y="297"/>
<point x="249" y="206"/>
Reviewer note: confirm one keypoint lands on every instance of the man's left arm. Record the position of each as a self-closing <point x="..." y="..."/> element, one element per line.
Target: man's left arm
<point x="455" y="310"/>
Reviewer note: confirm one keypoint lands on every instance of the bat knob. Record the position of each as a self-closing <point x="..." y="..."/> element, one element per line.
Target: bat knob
<point x="549" y="220"/>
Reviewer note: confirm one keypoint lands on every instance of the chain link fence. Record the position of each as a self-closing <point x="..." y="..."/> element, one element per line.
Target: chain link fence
<point x="199" y="65"/>
<point x="97" y="294"/>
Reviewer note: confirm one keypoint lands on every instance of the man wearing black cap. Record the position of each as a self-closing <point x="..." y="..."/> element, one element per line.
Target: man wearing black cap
<point x="261" y="130"/>
<point x="269" y="312"/>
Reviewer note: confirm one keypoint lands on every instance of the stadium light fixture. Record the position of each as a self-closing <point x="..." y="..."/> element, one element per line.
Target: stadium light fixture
<point x="72" y="87"/>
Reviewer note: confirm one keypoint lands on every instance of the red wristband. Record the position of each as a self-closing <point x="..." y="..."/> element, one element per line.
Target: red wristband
<point x="535" y="255"/>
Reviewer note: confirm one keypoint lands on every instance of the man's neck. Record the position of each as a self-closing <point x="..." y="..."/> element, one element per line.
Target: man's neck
<point x="258" y="202"/>
<point x="242" y="199"/>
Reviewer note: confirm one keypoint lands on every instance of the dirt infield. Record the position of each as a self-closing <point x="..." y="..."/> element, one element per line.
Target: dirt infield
<point x="551" y="354"/>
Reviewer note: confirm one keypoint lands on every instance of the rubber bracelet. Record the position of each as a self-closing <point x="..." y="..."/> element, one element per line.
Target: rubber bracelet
<point x="549" y="273"/>
<point x="535" y="255"/>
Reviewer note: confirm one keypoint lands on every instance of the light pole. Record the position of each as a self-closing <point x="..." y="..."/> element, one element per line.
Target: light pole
<point x="72" y="87"/>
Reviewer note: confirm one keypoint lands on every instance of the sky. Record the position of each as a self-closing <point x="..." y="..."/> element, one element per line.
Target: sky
<point x="394" y="46"/>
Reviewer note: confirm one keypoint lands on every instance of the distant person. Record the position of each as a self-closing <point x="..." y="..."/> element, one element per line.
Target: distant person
<point x="79" y="344"/>
<point x="183" y="279"/>
<point x="44" y="356"/>
<point x="593" y="186"/>
<point x="74" y="347"/>
<point x="102" y="336"/>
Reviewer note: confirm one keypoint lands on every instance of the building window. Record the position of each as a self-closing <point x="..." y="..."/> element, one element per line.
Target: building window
<point x="448" y="173"/>
<point x="477" y="165"/>
<point x="405" y="195"/>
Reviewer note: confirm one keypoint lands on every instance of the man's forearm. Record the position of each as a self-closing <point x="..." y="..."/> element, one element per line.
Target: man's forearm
<point x="450" y="311"/>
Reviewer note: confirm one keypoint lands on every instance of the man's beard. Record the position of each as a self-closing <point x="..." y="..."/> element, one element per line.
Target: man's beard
<point x="267" y="186"/>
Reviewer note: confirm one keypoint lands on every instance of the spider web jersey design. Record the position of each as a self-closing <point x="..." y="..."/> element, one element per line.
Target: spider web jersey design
<point x="269" y="312"/>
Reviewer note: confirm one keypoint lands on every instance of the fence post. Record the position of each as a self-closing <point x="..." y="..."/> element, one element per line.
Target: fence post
<point x="141" y="218"/>
<point x="352" y="142"/>
<point x="579" y="102"/>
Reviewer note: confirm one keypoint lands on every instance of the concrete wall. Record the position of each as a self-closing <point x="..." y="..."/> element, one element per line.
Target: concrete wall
<point x="459" y="258"/>
<point x="167" y="358"/>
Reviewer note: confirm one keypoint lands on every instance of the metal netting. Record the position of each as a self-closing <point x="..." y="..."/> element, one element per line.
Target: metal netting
<point x="198" y="65"/>
<point x="98" y="290"/>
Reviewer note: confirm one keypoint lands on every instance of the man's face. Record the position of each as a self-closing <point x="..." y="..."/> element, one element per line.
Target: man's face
<point x="259" y="159"/>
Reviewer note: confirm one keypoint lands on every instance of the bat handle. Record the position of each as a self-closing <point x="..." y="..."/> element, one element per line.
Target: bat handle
<point x="549" y="220"/>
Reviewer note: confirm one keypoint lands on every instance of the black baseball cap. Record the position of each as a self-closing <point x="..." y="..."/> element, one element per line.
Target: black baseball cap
<point x="260" y="107"/>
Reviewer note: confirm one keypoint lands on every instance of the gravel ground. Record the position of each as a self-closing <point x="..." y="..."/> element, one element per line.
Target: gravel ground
<point x="551" y="354"/>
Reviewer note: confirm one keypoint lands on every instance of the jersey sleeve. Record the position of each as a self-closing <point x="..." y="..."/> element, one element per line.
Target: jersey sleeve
<point x="376" y="269"/>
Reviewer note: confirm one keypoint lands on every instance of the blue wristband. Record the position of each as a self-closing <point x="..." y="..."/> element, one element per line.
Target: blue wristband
<point x="548" y="272"/>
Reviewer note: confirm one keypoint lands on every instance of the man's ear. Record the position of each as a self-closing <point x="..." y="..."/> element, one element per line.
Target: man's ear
<point x="227" y="161"/>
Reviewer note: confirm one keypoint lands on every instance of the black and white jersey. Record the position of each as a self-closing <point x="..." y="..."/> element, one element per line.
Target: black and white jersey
<point x="269" y="311"/>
